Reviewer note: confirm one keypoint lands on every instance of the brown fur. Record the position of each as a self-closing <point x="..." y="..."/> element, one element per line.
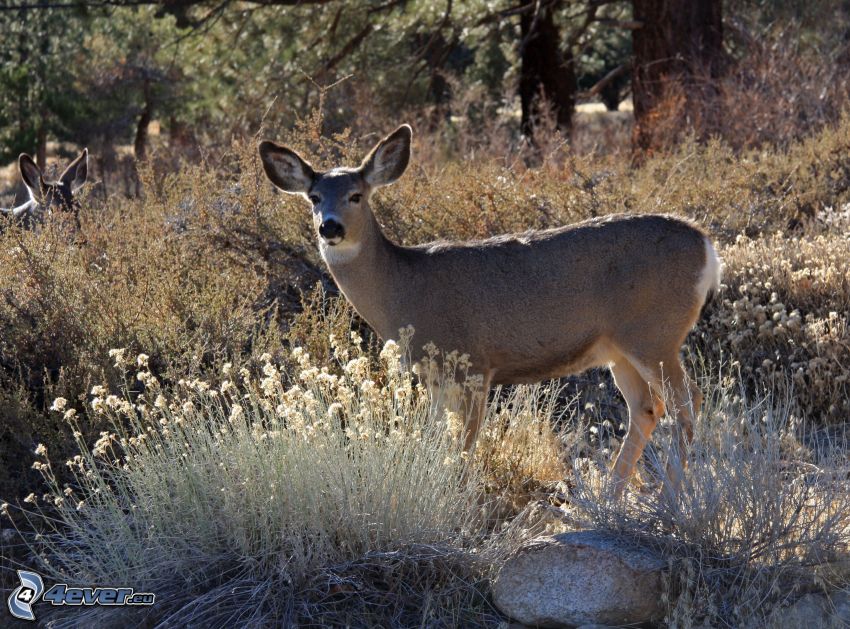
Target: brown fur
<point x="619" y="291"/>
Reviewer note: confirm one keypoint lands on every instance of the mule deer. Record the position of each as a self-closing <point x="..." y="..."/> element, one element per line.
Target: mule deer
<point x="621" y="291"/>
<point x="49" y="196"/>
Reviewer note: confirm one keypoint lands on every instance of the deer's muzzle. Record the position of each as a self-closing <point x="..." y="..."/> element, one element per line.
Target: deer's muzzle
<point x="332" y="231"/>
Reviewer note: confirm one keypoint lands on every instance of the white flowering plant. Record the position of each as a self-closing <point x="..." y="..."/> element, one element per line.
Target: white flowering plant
<point x="290" y="478"/>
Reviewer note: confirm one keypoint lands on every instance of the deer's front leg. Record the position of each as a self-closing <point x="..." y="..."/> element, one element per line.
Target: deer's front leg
<point x="468" y="400"/>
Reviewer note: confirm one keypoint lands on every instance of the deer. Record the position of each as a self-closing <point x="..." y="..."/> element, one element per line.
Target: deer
<point x="621" y="291"/>
<point x="49" y="196"/>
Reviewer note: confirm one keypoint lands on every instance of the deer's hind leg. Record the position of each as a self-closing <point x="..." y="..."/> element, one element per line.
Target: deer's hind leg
<point x="646" y="407"/>
<point x="686" y="401"/>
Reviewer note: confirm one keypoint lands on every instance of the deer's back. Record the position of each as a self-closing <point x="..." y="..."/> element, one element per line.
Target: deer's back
<point x="538" y="297"/>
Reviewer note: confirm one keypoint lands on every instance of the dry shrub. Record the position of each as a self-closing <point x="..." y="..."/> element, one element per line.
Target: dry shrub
<point x="786" y="86"/>
<point x="129" y="280"/>
<point x="324" y="319"/>
<point x="521" y="446"/>
<point x="783" y="320"/>
<point x="755" y="193"/>
<point x="775" y="91"/>
<point x="763" y="516"/>
<point x="197" y="270"/>
<point x="333" y="498"/>
<point x="600" y="133"/>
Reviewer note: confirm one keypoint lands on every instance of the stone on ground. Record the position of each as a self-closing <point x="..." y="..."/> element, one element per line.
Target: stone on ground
<point x="813" y="610"/>
<point x="583" y="578"/>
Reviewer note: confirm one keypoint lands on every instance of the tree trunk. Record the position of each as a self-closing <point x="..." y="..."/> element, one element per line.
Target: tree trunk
<point x="678" y="45"/>
<point x="24" y="91"/>
<point x="43" y="90"/>
<point x="141" y="141"/>
<point x="546" y="72"/>
<point x="41" y="144"/>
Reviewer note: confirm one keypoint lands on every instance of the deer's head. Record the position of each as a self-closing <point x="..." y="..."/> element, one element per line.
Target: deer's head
<point x="57" y="195"/>
<point x="340" y="196"/>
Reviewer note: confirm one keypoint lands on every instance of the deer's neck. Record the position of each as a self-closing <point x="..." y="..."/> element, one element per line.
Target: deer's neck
<point x="29" y="208"/>
<point x="367" y="274"/>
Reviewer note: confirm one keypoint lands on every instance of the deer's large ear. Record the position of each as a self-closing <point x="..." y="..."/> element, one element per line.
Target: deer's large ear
<point x="388" y="160"/>
<point x="286" y="168"/>
<point x="77" y="172"/>
<point x="31" y="174"/>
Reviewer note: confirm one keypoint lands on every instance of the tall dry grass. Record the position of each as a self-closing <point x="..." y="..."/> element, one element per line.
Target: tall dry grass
<point x="335" y="494"/>
<point x="762" y="519"/>
<point x="270" y="498"/>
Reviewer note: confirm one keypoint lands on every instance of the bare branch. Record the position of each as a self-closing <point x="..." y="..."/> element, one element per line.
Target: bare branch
<point x="498" y="16"/>
<point x="386" y="6"/>
<point x="350" y="46"/>
<point x="589" y="17"/>
<point x="164" y="4"/>
<point x="630" y="25"/>
<point x="606" y="80"/>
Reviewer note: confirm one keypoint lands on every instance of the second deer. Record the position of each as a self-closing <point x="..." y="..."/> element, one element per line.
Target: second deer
<point x="48" y="196"/>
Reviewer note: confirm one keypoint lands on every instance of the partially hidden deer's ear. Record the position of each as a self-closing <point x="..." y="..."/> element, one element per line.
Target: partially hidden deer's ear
<point x="31" y="174"/>
<point x="285" y="168"/>
<point x="388" y="160"/>
<point x="77" y="172"/>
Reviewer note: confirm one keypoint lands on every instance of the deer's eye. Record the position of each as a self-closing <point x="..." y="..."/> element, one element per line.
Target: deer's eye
<point x="314" y="199"/>
<point x="355" y="198"/>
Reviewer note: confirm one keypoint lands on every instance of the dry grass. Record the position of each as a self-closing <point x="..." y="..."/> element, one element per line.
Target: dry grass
<point x="521" y="448"/>
<point x="763" y="516"/>
<point x="311" y="497"/>
<point x="300" y="497"/>
<point x="781" y="84"/>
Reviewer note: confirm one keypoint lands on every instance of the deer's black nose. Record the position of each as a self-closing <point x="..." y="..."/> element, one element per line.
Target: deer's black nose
<point x="331" y="230"/>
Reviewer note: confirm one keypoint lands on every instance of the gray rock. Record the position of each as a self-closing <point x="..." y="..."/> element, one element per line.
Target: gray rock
<point x="584" y="578"/>
<point x="841" y="605"/>
<point x="813" y="610"/>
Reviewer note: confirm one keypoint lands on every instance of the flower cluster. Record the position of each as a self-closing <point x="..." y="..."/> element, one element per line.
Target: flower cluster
<point x="783" y="320"/>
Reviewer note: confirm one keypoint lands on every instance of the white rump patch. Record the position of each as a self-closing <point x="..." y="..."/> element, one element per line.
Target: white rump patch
<point x="343" y="253"/>
<point x="709" y="279"/>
